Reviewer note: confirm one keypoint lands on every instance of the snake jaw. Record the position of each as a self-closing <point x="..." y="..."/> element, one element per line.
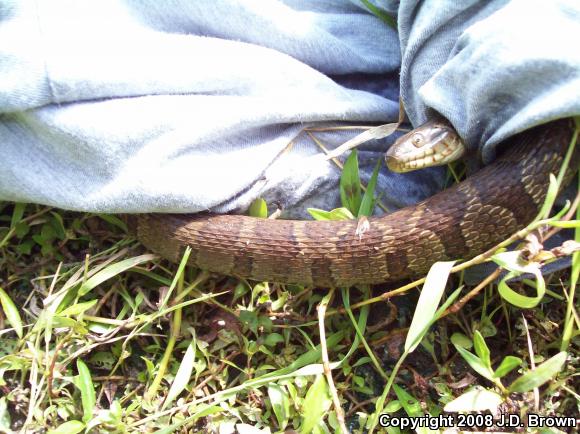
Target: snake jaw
<point x="440" y="145"/>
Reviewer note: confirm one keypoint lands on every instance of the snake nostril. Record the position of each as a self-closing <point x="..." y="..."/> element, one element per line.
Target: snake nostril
<point x="392" y="163"/>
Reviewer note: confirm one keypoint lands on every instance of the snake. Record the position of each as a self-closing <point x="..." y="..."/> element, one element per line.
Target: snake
<point x="459" y="222"/>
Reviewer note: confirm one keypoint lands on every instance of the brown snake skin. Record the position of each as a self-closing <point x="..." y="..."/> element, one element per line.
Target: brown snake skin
<point x="460" y="222"/>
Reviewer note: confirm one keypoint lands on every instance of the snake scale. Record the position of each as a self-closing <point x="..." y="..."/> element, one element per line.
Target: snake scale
<point x="459" y="222"/>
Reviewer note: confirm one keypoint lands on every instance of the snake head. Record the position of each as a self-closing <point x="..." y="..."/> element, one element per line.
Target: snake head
<point x="434" y="143"/>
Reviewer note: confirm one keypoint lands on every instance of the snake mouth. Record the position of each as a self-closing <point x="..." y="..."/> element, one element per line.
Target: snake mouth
<point x="393" y="163"/>
<point x="428" y="159"/>
<point x="408" y="163"/>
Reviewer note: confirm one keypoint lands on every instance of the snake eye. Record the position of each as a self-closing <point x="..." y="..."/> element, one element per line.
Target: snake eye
<point x="417" y="140"/>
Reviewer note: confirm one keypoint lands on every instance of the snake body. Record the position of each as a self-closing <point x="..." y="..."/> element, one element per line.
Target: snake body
<point x="459" y="222"/>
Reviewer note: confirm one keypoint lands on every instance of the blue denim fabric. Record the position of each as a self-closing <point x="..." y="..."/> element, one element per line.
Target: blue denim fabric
<point x="139" y="106"/>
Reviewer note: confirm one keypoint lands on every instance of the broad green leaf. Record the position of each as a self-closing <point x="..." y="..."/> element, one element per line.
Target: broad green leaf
<point x="258" y="208"/>
<point x="21" y="229"/>
<point x="281" y="301"/>
<point x="508" y="364"/>
<point x="460" y="340"/>
<point x="113" y="270"/>
<point x="183" y="374"/>
<point x="273" y="338"/>
<point x="475" y="399"/>
<point x="368" y="201"/>
<point x="475" y="363"/>
<point x="78" y="308"/>
<point x="393" y="406"/>
<point x="240" y="289"/>
<point x="542" y="374"/>
<point x="47" y="233"/>
<point x="428" y="302"/>
<point x="84" y="383"/>
<point x="481" y="349"/>
<point x="316" y="404"/>
<point x="250" y="319"/>
<point x="11" y="312"/>
<point x="70" y="427"/>
<point x="261" y="291"/>
<point x="335" y="214"/>
<point x="280" y="404"/>
<point x="350" y="190"/>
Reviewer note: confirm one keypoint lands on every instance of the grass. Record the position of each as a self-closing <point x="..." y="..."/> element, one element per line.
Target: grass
<point x="97" y="335"/>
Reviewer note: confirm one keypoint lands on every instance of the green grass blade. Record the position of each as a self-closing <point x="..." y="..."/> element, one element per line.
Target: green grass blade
<point x="183" y="374"/>
<point x="481" y="349"/>
<point x="368" y="201"/>
<point x="17" y="214"/>
<point x="386" y="18"/>
<point x="350" y="189"/>
<point x="519" y="300"/>
<point x="428" y="302"/>
<point x="112" y="271"/>
<point x="11" y="312"/>
<point x="551" y="195"/>
<point x="115" y="221"/>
